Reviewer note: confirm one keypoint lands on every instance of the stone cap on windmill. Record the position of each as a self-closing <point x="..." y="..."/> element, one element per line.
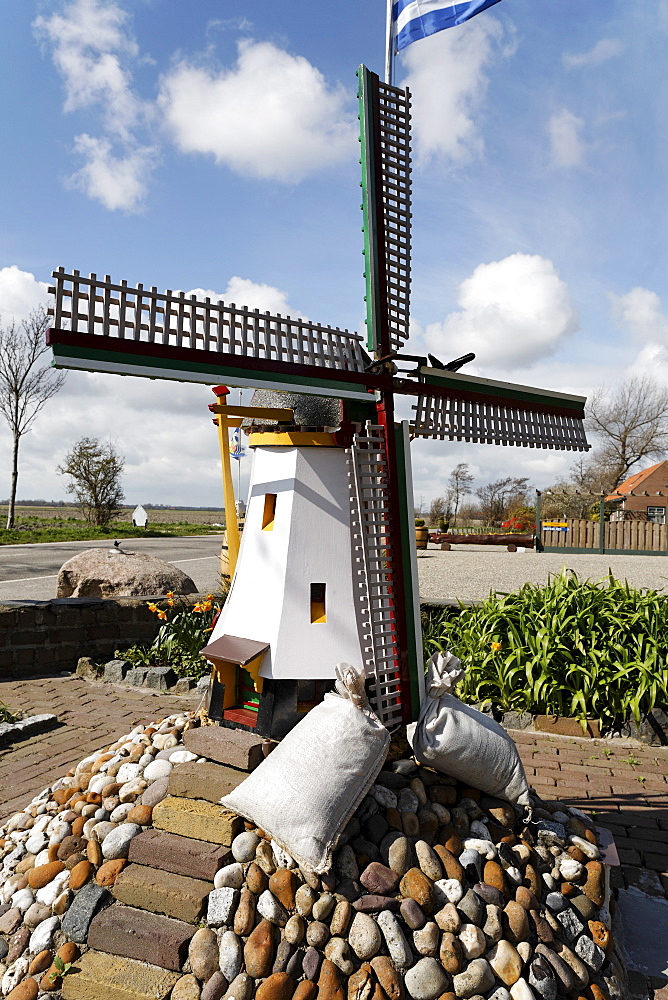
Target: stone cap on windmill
<point x="328" y="538"/>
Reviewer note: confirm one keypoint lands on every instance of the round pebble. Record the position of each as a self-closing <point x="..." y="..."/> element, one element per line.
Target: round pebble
<point x="116" y="844"/>
<point x="244" y="846"/>
<point x="157" y="769"/>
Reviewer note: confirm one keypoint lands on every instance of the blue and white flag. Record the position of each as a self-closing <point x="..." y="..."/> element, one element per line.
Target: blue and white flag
<point x="236" y="448"/>
<point x="415" y="19"/>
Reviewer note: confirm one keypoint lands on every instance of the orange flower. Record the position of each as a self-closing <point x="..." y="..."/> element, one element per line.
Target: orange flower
<point x="152" y="607"/>
<point x="162" y="614"/>
<point x="170" y="593"/>
<point x="171" y="602"/>
<point x="209" y="597"/>
<point x="198" y="607"/>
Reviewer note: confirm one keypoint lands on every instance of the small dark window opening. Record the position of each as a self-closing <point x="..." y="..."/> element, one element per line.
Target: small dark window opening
<point x="318" y="608"/>
<point x="269" y="513"/>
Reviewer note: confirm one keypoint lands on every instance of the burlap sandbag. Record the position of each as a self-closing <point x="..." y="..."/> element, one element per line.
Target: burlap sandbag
<point x="306" y="790"/>
<point x="461" y="741"/>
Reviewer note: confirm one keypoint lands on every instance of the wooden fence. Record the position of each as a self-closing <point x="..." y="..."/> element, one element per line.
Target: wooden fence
<point x="618" y="536"/>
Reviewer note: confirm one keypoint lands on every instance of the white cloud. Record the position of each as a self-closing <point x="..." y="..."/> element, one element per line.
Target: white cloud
<point x="513" y="312"/>
<point x="272" y="115"/>
<point x="90" y="42"/>
<point x="652" y="360"/>
<point x="93" y="50"/>
<point x="447" y="79"/>
<point x="20" y="293"/>
<point x="565" y="130"/>
<point x="118" y="182"/>
<point x="256" y="295"/>
<point x="639" y="313"/>
<point x="604" y="49"/>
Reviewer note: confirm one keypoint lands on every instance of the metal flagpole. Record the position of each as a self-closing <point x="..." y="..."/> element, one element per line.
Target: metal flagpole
<point x="389" y="46"/>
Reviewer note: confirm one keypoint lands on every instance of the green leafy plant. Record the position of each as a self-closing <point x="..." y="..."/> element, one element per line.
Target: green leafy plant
<point x="185" y="632"/>
<point x="6" y="715"/>
<point x="567" y="648"/>
<point x="62" y="968"/>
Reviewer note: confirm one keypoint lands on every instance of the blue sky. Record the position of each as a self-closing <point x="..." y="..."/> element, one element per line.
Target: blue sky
<point x="213" y="145"/>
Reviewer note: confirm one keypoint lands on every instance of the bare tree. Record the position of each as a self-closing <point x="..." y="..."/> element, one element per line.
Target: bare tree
<point x="439" y="510"/>
<point x="459" y="485"/>
<point x="631" y="423"/>
<point x="24" y="387"/>
<point x="497" y="498"/>
<point x="95" y="479"/>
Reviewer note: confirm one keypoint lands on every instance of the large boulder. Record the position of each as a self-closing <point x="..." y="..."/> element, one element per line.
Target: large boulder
<point x="120" y="573"/>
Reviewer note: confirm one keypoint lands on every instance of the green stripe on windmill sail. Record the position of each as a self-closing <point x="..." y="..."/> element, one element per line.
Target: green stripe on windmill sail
<point x="496" y="389"/>
<point x="152" y="366"/>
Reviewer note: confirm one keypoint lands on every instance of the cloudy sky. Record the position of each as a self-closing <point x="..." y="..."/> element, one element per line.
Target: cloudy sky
<point x="213" y="145"/>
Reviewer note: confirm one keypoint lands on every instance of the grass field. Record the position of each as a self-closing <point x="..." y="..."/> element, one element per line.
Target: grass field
<point x="65" y="524"/>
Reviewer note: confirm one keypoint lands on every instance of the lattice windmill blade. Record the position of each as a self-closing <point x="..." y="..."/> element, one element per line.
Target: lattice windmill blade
<point x="458" y="407"/>
<point x="100" y="325"/>
<point x="386" y="203"/>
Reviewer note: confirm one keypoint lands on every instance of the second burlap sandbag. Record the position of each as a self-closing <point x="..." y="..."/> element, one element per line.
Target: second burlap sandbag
<point x="306" y="790"/>
<point x="458" y="740"/>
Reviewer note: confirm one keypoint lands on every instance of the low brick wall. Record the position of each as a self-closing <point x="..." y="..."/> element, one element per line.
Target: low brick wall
<point x="48" y="637"/>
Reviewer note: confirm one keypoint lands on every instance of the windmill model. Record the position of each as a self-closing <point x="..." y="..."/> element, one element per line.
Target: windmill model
<point x="327" y="569"/>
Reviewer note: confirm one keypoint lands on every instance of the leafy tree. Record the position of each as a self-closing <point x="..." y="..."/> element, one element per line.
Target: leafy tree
<point x="631" y="424"/>
<point x="95" y="471"/>
<point x="24" y="386"/>
<point x="497" y="499"/>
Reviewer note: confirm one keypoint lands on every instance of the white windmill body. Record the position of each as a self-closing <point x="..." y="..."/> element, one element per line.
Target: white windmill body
<point x="293" y="611"/>
<point x="293" y="587"/>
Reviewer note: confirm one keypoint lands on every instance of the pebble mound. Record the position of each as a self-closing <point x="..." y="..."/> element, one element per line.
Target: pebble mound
<point x="437" y="892"/>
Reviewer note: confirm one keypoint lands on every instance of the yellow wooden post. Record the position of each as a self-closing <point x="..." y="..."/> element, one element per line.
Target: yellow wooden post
<point x="231" y="525"/>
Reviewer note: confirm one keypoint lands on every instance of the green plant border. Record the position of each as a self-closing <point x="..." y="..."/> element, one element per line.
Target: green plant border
<point x="579" y="649"/>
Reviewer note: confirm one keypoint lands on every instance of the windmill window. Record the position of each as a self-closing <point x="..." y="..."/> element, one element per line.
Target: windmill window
<point x="269" y="513"/>
<point x="318" y="608"/>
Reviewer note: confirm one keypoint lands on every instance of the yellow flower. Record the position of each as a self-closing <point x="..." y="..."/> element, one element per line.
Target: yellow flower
<point x="170" y="593"/>
<point x="171" y="602"/>
<point x="162" y="614"/>
<point x="495" y="646"/>
<point x="198" y="607"/>
<point x="206" y="606"/>
<point x="152" y="607"/>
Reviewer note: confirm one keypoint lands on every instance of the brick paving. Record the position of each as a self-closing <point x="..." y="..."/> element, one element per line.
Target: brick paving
<point x="621" y="783"/>
<point x="91" y="715"/>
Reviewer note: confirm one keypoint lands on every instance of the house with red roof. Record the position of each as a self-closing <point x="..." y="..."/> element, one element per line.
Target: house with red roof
<point x="643" y="496"/>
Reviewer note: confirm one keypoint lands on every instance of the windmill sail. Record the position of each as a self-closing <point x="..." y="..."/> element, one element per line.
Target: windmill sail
<point x="461" y="407"/>
<point x="386" y="203"/>
<point x="374" y="574"/>
<point x="103" y="326"/>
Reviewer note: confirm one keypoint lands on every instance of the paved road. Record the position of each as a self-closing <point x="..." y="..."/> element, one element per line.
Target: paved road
<point x="469" y="572"/>
<point x="29" y="572"/>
